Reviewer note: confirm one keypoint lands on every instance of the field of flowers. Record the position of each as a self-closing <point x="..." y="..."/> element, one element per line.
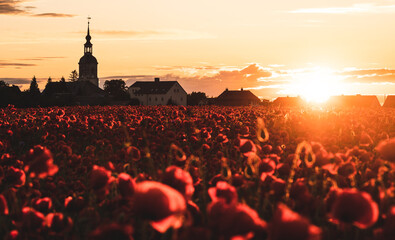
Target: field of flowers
<point x="196" y="173"/>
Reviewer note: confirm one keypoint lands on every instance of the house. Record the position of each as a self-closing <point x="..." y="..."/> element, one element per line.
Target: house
<point x="158" y="93"/>
<point x="74" y="93"/>
<point x="289" y="102"/>
<point x="237" y="98"/>
<point x="390" y="101"/>
<point x="354" y="101"/>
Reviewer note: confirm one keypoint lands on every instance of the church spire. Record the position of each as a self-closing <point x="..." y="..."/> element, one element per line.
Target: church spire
<point x="88" y="44"/>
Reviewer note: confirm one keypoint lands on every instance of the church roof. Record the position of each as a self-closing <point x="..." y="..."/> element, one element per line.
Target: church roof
<point x="78" y="88"/>
<point x="237" y="98"/>
<point x="88" y="58"/>
<point x="159" y="87"/>
<point x="389" y="101"/>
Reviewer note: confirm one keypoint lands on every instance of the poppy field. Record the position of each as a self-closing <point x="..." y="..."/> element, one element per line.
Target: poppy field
<point x="123" y="172"/>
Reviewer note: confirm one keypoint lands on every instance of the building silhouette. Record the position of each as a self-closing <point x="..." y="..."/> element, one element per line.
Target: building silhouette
<point x="357" y="101"/>
<point x="289" y="102"/>
<point x="390" y="101"/>
<point x="237" y="98"/>
<point x="88" y="63"/>
<point x="158" y="93"/>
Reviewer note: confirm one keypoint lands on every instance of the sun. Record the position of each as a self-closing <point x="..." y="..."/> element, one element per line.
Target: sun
<point x="317" y="86"/>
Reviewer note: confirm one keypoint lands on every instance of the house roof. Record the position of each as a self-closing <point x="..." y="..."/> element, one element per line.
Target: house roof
<point x="159" y="87"/>
<point x="354" y="101"/>
<point x="237" y="97"/>
<point x="389" y="101"/>
<point x="289" y="101"/>
<point x="78" y="88"/>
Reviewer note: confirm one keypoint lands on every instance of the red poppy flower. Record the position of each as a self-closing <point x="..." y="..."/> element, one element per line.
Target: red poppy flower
<point x="112" y="231"/>
<point x="3" y="205"/>
<point x="387" y="149"/>
<point x="354" y="207"/>
<point x="162" y="205"/>
<point x="58" y="223"/>
<point x="100" y="178"/>
<point x="13" y="235"/>
<point x="15" y="177"/>
<point x="234" y="220"/>
<point x="43" y="204"/>
<point x="388" y="230"/>
<point x="134" y="153"/>
<point x="247" y="147"/>
<point x="126" y="185"/>
<point x="74" y="204"/>
<point x="223" y="192"/>
<point x="39" y="162"/>
<point x="287" y="224"/>
<point x="180" y="180"/>
<point x="32" y="220"/>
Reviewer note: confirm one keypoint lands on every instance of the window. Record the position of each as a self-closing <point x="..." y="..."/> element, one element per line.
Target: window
<point x="149" y="99"/>
<point x="181" y="99"/>
<point x="162" y="99"/>
<point x="156" y="99"/>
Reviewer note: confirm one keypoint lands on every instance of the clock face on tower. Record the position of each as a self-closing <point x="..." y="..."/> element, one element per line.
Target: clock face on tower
<point x="88" y="63"/>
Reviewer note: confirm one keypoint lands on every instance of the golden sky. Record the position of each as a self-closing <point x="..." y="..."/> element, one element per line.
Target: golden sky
<point x="274" y="48"/>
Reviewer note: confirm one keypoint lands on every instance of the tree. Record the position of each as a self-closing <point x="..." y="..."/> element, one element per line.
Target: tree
<point x="3" y="84"/>
<point x="34" y="90"/>
<point x="73" y="76"/>
<point x="49" y="80"/>
<point x="62" y="79"/>
<point x="196" y="98"/>
<point x="117" y="89"/>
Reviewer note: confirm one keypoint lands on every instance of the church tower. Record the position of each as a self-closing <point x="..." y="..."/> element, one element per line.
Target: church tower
<point x="88" y="63"/>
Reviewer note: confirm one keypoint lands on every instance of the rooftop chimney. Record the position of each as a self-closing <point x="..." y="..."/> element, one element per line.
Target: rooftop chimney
<point x="157" y="80"/>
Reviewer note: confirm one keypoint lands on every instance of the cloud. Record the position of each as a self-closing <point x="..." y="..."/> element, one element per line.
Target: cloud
<point x="16" y="81"/>
<point x="55" y="15"/>
<point x="369" y="75"/>
<point x="250" y="76"/>
<point x="39" y="58"/>
<point x="13" y="7"/>
<point x="13" y="64"/>
<point x="356" y="8"/>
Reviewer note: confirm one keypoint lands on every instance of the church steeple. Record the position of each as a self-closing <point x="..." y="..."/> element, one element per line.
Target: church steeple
<point x="88" y="44"/>
<point x="88" y="63"/>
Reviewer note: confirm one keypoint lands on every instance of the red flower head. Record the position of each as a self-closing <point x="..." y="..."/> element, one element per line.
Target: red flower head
<point x="100" y="178"/>
<point x="133" y="153"/>
<point x="355" y="207"/>
<point x="180" y="180"/>
<point x="126" y="185"/>
<point x="112" y="231"/>
<point x="43" y="204"/>
<point x="387" y="149"/>
<point x="388" y="230"/>
<point x="162" y="205"/>
<point x="31" y="219"/>
<point x="247" y="147"/>
<point x="74" y="204"/>
<point x="15" y="177"/>
<point x="59" y="223"/>
<point x="13" y="235"/>
<point x="3" y="205"/>
<point x="235" y="220"/>
<point x="287" y="224"/>
<point x="223" y="192"/>
<point x="39" y="162"/>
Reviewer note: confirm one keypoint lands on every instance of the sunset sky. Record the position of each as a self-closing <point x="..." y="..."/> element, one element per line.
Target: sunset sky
<point x="274" y="48"/>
